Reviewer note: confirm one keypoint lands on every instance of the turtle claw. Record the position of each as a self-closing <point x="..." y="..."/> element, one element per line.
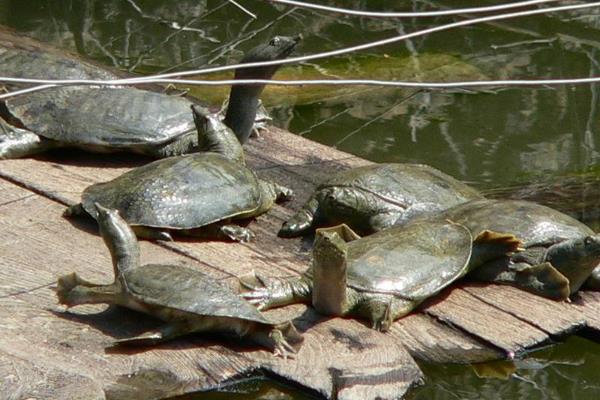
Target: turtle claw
<point x="282" y="348"/>
<point x="279" y="336"/>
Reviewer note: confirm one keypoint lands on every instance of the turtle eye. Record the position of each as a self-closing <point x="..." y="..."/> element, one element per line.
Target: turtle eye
<point x="275" y="41"/>
<point x="588" y="240"/>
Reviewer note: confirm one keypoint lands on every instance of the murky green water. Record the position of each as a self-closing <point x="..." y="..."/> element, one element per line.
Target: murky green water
<point x="491" y="138"/>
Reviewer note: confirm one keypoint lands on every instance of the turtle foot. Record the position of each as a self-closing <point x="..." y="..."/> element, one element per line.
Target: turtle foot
<point x="259" y="291"/>
<point x="71" y="289"/>
<point x="291" y="229"/>
<point x="286" y="340"/>
<point x="508" y="243"/>
<point x="547" y="281"/>
<point x="16" y="142"/>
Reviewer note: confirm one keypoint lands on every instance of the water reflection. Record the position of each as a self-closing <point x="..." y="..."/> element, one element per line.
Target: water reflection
<point x="569" y="371"/>
<point x="491" y="137"/>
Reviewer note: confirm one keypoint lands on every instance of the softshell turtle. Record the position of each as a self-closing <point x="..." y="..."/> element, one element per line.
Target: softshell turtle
<point x="371" y="198"/>
<point x="560" y="252"/>
<point x="105" y="119"/>
<point x="188" y="300"/>
<point x="184" y="193"/>
<point x="384" y="276"/>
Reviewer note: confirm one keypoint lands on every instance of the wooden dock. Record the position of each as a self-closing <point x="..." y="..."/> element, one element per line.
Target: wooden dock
<point x="47" y="353"/>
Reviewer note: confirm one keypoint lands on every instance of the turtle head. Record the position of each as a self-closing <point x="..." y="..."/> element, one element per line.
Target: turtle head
<point x="347" y="205"/>
<point x="329" y="272"/>
<point x="243" y="98"/>
<point x="575" y="258"/>
<point x="277" y="48"/>
<point x="119" y="238"/>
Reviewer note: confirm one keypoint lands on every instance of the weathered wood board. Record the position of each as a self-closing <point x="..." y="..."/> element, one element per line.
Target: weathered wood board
<point x="470" y="323"/>
<point x="76" y="346"/>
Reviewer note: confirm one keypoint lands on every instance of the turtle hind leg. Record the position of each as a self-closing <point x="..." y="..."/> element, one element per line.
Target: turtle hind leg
<point x="73" y="290"/>
<point x="283" y="339"/>
<point x="16" y="142"/>
<point x="541" y="279"/>
<point x="265" y="293"/>
<point x="163" y="333"/>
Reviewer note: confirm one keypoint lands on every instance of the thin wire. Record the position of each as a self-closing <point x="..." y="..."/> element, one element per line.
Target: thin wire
<point x="162" y="78"/>
<point x="244" y="9"/>
<point x="375" y="14"/>
<point x="346" y="82"/>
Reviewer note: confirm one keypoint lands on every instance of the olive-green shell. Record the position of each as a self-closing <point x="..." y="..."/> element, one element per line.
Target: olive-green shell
<point x="105" y="117"/>
<point x="413" y="262"/>
<point x="182" y="192"/>
<point x="188" y="290"/>
<point x="406" y="184"/>
<point x="23" y="63"/>
<point x="530" y="222"/>
<point x="119" y="117"/>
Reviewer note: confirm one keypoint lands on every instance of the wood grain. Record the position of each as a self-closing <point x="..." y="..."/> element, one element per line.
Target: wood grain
<point x="74" y="349"/>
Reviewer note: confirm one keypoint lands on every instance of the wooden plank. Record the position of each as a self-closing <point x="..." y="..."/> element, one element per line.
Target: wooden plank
<point x="76" y="347"/>
<point x="428" y="340"/>
<point x="21" y="379"/>
<point x="464" y="311"/>
<point x="556" y="318"/>
<point x="463" y="325"/>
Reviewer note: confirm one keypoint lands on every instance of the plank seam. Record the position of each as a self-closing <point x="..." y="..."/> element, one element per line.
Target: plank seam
<point x="469" y="334"/>
<point x="17" y="200"/>
<point x="575" y="327"/>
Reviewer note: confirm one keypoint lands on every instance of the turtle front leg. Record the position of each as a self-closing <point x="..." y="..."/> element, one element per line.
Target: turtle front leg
<point x="16" y="142"/>
<point x="302" y="222"/>
<point x="267" y="293"/>
<point x="383" y="310"/>
<point x="73" y="290"/>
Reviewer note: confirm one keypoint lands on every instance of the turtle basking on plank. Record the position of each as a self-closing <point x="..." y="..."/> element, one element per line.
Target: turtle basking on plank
<point x="196" y="194"/>
<point x="559" y="254"/>
<point x="108" y="119"/>
<point x="187" y="300"/>
<point x="384" y="276"/>
<point x="374" y="197"/>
